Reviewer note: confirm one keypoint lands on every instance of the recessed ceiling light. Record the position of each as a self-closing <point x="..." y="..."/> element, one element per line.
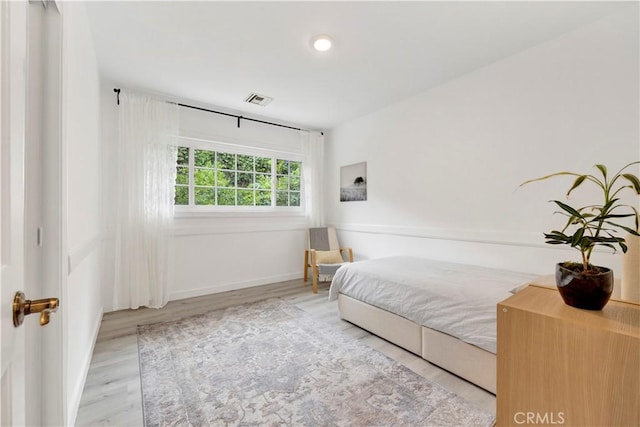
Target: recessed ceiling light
<point x="321" y="43"/>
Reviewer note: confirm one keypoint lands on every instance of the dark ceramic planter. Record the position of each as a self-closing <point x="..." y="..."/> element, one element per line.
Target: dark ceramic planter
<point x="590" y="292"/>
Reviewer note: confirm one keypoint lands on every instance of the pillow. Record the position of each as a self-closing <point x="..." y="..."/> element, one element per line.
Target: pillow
<point x="329" y="257"/>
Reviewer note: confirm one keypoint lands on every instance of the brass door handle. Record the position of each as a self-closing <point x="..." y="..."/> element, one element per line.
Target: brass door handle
<point x="23" y="307"/>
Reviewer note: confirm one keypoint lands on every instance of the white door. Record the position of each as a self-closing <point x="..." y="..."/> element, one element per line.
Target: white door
<point x="13" y="26"/>
<point x="32" y="389"/>
<point x="44" y="260"/>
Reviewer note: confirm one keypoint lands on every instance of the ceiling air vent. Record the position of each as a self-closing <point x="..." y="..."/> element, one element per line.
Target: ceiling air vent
<point x="258" y="99"/>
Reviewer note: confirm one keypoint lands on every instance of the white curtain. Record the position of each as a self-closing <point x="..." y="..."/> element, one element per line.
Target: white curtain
<point x="313" y="175"/>
<point x="143" y="206"/>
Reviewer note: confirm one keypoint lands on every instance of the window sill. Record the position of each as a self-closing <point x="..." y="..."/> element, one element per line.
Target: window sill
<point x="217" y="212"/>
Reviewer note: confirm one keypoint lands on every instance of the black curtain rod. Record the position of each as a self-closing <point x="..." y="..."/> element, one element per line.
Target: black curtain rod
<point x="117" y="91"/>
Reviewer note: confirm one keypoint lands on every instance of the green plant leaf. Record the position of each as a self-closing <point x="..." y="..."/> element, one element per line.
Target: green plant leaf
<point x="603" y="169"/>
<point x="542" y="178"/>
<point x="610" y="246"/>
<point x="608" y="205"/>
<point x="576" y="183"/>
<point x="577" y="237"/>
<point x="624" y="247"/>
<point x="627" y="229"/>
<point x="568" y="208"/>
<point x="601" y="239"/>
<point x="620" y="215"/>
<point x="557" y="238"/>
<point x="635" y="182"/>
<point x="596" y="224"/>
<point x="571" y="221"/>
<point x="585" y="243"/>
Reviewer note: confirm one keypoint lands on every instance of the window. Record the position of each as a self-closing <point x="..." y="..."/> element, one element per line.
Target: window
<point x="217" y="178"/>
<point x="287" y="183"/>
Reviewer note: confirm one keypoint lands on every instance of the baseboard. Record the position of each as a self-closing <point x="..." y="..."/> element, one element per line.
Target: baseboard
<point x="76" y="396"/>
<point x="190" y="293"/>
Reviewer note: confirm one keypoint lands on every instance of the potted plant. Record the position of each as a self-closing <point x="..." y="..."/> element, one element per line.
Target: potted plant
<point x="582" y="284"/>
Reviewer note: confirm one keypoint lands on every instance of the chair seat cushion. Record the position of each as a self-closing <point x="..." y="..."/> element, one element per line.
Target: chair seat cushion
<point x="329" y="257"/>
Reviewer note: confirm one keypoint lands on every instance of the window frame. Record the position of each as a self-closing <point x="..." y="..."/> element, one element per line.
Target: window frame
<point x="233" y="210"/>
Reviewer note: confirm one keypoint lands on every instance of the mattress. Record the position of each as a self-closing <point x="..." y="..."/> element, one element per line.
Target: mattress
<point x="456" y="299"/>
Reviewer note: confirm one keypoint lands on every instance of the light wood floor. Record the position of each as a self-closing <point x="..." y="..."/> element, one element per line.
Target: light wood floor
<point x="112" y="395"/>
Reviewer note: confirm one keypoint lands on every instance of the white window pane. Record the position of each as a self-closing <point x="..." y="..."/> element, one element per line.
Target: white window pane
<point x="204" y="177"/>
<point x="282" y="198"/>
<point x="204" y="158"/>
<point x="246" y="197"/>
<point x="226" y="161"/>
<point x="204" y="196"/>
<point x="294" y="198"/>
<point x="182" y="195"/>
<point x="226" y="197"/>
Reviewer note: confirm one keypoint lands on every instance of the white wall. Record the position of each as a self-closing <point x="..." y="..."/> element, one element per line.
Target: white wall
<point x="81" y="130"/>
<point x="223" y="252"/>
<point x="444" y="166"/>
<point x="217" y="252"/>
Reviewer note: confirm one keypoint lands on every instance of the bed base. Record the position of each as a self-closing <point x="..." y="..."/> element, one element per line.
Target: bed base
<point x="465" y="360"/>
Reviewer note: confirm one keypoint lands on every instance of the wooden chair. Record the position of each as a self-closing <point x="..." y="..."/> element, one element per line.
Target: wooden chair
<point x="324" y="255"/>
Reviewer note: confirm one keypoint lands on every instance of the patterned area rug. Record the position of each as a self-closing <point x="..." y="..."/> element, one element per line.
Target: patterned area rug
<point x="270" y="363"/>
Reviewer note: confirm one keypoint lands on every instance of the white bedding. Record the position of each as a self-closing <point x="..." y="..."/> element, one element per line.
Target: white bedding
<point x="457" y="299"/>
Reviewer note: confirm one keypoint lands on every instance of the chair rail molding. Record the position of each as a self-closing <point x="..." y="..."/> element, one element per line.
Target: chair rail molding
<point x="532" y="239"/>
<point x="496" y="237"/>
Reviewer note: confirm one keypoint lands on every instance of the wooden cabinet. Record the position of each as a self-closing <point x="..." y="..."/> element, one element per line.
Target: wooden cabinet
<point x="559" y="365"/>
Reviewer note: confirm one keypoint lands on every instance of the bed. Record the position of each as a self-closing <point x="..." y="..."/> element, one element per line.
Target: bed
<point x="444" y="312"/>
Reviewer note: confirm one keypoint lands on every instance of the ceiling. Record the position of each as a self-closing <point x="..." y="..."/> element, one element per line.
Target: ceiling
<point x="216" y="53"/>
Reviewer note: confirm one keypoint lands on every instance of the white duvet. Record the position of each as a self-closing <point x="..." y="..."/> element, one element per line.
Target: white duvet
<point x="457" y="299"/>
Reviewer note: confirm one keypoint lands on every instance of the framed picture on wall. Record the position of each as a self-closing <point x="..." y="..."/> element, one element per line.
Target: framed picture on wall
<point x="353" y="182"/>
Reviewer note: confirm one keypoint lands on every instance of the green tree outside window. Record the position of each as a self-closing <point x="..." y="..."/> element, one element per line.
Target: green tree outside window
<point x="228" y="179"/>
